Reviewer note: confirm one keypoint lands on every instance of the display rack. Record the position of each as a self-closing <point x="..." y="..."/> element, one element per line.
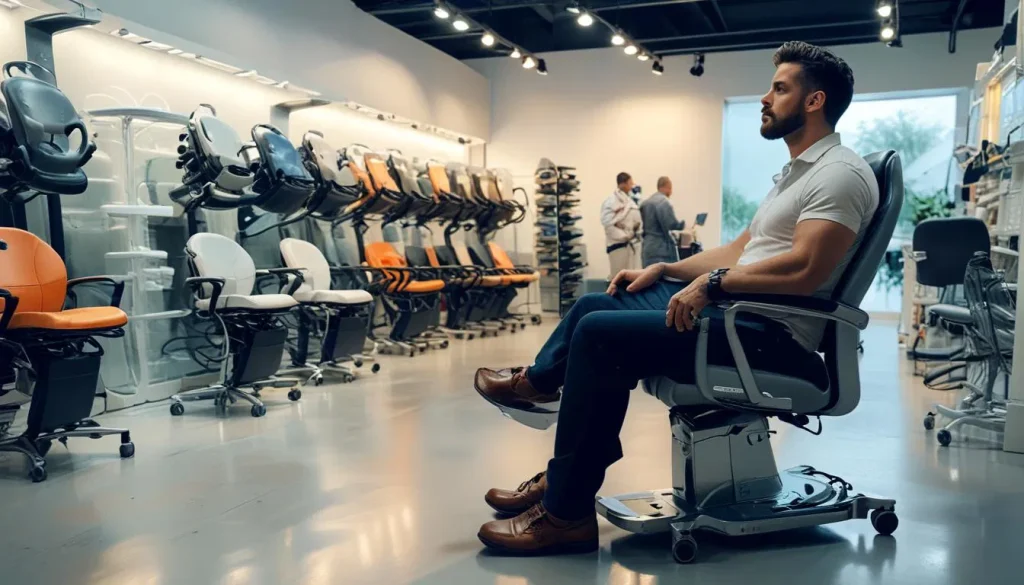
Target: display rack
<point x="561" y="255"/>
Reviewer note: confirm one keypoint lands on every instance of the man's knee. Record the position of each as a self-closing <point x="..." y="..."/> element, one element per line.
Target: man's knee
<point x="591" y="302"/>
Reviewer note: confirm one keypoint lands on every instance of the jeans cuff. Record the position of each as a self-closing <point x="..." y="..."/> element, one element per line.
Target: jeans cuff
<point x="536" y="379"/>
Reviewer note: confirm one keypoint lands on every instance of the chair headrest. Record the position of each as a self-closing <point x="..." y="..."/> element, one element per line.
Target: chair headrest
<point x="860" y="272"/>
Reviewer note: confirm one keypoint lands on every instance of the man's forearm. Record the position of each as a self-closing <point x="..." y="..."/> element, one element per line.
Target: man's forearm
<point x="721" y="257"/>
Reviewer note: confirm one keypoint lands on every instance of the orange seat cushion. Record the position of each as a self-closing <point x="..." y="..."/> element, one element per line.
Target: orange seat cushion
<point x="419" y="286"/>
<point x="85" y="318"/>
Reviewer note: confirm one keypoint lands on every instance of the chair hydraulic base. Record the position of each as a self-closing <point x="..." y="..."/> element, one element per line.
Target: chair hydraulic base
<point x="223" y="395"/>
<point x="807" y="498"/>
<point x="37" y="448"/>
<point x="316" y="373"/>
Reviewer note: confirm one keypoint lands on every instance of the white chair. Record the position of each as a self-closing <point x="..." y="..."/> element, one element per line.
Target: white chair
<point x="341" y="317"/>
<point x="223" y="277"/>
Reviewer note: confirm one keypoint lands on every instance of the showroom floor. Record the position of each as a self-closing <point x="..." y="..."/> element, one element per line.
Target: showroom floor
<point x="381" y="481"/>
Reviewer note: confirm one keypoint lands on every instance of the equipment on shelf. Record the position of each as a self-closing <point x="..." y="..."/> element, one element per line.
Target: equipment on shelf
<point x="559" y="249"/>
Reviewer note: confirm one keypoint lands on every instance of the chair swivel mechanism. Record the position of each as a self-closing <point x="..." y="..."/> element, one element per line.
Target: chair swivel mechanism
<point x="724" y="474"/>
<point x="340" y="319"/>
<point x="35" y="136"/>
<point x="222" y="281"/>
<point x="50" y="347"/>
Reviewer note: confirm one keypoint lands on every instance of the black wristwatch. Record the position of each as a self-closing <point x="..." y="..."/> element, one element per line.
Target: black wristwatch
<point x="715" y="291"/>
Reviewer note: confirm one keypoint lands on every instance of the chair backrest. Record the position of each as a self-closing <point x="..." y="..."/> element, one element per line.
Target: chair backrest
<point x="354" y="158"/>
<point x="383" y="255"/>
<point x="377" y="167"/>
<point x="993" y="308"/>
<point x="949" y="243"/>
<point x="501" y="259"/>
<point x="316" y="272"/>
<point x="458" y="177"/>
<point x="438" y="175"/>
<point x="839" y="344"/>
<point x="282" y="181"/>
<point x="32" y="271"/>
<point x="217" y="256"/>
<point x="219" y="141"/>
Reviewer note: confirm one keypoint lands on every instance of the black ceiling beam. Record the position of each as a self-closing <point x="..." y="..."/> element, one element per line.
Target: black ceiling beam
<point x="721" y="17"/>
<point x="526" y="4"/>
<point x="761" y="30"/>
<point x="765" y="45"/>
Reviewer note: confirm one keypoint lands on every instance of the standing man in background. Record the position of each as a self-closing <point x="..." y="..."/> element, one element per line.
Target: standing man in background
<point x="620" y="217"/>
<point x="659" y="219"/>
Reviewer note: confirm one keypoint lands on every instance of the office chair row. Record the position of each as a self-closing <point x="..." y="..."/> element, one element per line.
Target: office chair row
<point x="978" y="312"/>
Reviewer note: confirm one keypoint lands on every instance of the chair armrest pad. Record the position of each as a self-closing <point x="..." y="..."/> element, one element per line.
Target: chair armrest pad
<point x="196" y="283"/>
<point x="115" y="297"/>
<point x="801" y="305"/>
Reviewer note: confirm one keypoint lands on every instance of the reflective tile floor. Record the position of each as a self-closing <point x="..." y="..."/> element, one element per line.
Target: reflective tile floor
<point x="381" y="481"/>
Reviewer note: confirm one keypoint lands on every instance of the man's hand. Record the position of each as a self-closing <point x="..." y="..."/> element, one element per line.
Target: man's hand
<point x="638" y="280"/>
<point x="685" y="305"/>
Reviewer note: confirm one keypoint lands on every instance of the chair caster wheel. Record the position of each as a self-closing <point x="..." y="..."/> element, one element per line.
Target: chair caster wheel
<point x="444" y="345"/>
<point x="43" y="446"/>
<point x="357" y="364"/>
<point x="177" y="409"/>
<point x="318" y="381"/>
<point x="258" y="410"/>
<point x="522" y="325"/>
<point x="295" y="394"/>
<point x="929" y="422"/>
<point x="348" y="378"/>
<point x="684" y="550"/>
<point x="127" y="450"/>
<point x="884" y="521"/>
<point x="375" y="368"/>
<point x="412" y="353"/>
<point x="470" y="337"/>
<point x="945" y="437"/>
<point x="37" y="473"/>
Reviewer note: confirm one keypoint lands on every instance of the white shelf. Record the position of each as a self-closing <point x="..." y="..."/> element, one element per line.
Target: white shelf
<point x="152" y="254"/>
<point x="125" y="210"/>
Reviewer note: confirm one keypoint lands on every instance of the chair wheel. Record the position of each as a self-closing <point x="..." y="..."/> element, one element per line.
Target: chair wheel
<point x="412" y="353"/>
<point x="929" y="422"/>
<point x="945" y="437"/>
<point x="470" y="337"/>
<point x="177" y="409"/>
<point x="258" y="410"/>
<point x="357" y="364"/>
<point x="295" y="394"/>
<point x="319" y="380"/>
<point x="37" y="473"/>
<point x="522" y="325"/>
<point x="127" y="450"/>
<point x="348" y="378"/>
<point x="375" y="368"/>
<point x="444" y="345"/>
<point x="43" y="446"/>
<point x="684" y="550"/>
<point x="884" y="521"/>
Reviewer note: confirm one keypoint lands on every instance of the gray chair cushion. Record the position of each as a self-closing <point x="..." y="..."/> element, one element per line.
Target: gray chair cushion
<point x="952" y="313"/>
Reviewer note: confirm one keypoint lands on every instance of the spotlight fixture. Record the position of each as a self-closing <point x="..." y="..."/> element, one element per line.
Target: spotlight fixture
<point x="657" y="68"/>
<point x="643" y="56"/>
<point x="888" y="32"/>
<point x="631" y="49"/>
<point x="884" y="8"/>
<point x="585" y="19"/>
<point x="542" y="67"/>
<point x="573" y="7"/>
<point x="896" y="43"/>
<point x="487" y="39"/>
<point x="698" y="65"/>
<point x="515" y="54"/>
<point x="460" y="25"/>
<point x="441" y="12"/>
<point x="528" y="62"/>
<point x="618" y="40"/>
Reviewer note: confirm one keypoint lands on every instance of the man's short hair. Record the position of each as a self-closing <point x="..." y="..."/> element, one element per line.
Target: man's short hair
<point x="823" y="71"/>
<point x="662" y="181"/>
<point x="622" y="178"/>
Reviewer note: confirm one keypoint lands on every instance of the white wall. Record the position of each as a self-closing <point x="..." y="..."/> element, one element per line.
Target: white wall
<point x="605" y="113"/>
<point x="327" y="45"/>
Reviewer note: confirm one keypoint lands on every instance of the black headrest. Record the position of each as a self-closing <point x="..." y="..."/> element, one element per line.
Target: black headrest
<point x="948" y="244"/>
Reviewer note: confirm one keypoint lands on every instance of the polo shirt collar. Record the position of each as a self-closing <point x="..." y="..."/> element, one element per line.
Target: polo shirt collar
<point x="819" y="148"/>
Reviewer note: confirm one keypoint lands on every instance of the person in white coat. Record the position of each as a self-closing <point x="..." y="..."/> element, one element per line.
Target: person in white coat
<point x="620" y="217"/>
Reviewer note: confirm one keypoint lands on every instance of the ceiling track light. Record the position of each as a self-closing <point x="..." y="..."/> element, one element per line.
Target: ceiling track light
<point x="884" y="8"/>
<point x="888" y="31"/>
<point x="460" y="24"/>
<point x="585" y="19"/>
<point x="542" y="67"/>
<point x="516" y="53"/>
<point x="618" y="40"/>
<point x="698" y="65"/>
<point x="529" y="62"/>
<point x="643" y="56"/>
<point x="631" y="49"/>
<point x="573" y="7"/>
<point x="657" y="68"/>
<point x="487" y="39"/>
<point x="442" y="12"/>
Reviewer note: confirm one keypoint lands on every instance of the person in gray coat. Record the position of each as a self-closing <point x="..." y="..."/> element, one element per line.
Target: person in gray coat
<point x="659" y="219"/>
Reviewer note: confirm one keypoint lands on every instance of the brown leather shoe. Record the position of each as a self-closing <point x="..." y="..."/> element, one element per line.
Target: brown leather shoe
<point x="509" y="387"/>
<point x="529" y="493"/>
<point x="537" y="532"/>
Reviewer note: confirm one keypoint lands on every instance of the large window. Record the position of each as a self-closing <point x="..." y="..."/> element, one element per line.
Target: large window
<point x="922" y="129"/>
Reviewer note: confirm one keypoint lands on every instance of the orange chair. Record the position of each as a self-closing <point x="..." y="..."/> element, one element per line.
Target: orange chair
<point x="63" y="354"/>
<point x="516" y="276"/>
<point x="411" y="303"/>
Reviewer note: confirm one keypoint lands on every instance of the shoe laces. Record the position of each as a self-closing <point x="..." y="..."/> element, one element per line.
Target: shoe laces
<point x="526" y="484"/>
<point x="532" y="516"/>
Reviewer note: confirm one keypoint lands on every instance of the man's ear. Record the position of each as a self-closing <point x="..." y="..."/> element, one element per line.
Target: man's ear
<point x="815" y="101"/>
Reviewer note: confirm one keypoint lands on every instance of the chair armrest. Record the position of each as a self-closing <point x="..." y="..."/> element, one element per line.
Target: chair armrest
<point x="217" y="283"/>
<point x="773" y="306"/>
<point x="10" y="306"/>
<point x="282" y="275"/>
<point x="115" y="297"/>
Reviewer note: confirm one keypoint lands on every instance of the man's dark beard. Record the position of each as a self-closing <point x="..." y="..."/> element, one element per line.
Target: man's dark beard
<point x="782" y="127"/>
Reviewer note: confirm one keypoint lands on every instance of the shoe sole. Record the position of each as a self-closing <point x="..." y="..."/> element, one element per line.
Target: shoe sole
<point x="573" y="548"/>
<point x="509" y="511"/>
<point x="523" y="406"/>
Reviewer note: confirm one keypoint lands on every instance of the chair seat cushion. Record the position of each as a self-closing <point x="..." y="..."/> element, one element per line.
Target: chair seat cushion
<point x="952" y="313"/>
<point x="334" y="297"/>
<point x="273" y="302"/>
<point x="514" y="279"/>
<point x="85" y="318"/>
<point x="419" y="287"/>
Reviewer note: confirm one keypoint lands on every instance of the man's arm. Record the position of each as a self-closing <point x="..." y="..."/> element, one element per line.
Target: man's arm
<point x="667" y="217"/>
<point x="607" y="213"/>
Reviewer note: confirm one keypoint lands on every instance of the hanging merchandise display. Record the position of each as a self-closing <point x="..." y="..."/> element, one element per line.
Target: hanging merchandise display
<point x="560" y="251"/>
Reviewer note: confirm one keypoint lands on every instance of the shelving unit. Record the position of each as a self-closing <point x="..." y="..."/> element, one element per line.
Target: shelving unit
<point x="561" y="255"/>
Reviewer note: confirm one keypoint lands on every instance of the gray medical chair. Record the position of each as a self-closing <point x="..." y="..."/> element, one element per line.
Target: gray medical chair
<point x="725" y="479"/>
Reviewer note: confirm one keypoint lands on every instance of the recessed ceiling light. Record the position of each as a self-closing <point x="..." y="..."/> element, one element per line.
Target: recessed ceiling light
<point x="631" y="49"/>
<point x="487" y="40"/>
<point x="460" y="25"/>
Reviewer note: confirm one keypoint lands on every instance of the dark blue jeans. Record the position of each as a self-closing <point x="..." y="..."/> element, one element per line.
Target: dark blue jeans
<point x="598" y="353"/>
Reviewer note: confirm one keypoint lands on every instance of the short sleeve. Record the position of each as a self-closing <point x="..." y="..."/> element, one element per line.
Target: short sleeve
<point x="837" y="193"/>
